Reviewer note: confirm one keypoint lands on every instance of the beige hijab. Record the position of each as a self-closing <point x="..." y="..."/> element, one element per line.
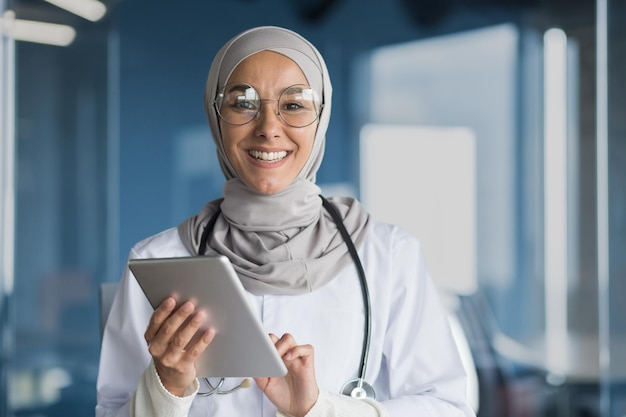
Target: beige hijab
<point x="284" y="243"/>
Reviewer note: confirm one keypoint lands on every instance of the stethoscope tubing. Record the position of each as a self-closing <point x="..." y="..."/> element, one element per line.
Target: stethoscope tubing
<point x="364" y="287"/>
<point x="217" y="388"/>
<point x="360" y="381"/>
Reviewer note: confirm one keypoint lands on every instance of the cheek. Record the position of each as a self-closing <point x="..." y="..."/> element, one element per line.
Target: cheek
<point x="230" y="141"/>
<point x="305" y="141"/>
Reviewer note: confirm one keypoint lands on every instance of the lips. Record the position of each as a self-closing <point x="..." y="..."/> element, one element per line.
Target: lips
<point x="268" y="156"/>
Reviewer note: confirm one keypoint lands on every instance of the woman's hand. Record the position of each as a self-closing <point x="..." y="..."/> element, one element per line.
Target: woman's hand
<point x="296" y="392"/>
<point x="170" y="330"/>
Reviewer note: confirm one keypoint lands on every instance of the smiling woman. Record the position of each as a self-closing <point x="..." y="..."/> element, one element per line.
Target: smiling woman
<point x="301" y="258"/>
<point x="267" y="152"/>
<point x="105" y="143"/>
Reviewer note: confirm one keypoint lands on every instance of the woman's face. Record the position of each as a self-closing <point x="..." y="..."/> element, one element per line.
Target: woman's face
<point x="267" y="154"/>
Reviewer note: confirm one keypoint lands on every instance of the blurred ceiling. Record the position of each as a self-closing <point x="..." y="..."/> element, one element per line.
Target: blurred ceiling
<point x="429" y="12"/>
<point x="43" y="11"/>
<point x="424" y="13"/>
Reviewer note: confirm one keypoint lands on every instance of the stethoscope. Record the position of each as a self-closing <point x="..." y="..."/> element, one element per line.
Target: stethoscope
<point x="357" y="387"/>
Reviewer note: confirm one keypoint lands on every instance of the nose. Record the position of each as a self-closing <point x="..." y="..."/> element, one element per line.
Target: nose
<point x="268" y="122"/>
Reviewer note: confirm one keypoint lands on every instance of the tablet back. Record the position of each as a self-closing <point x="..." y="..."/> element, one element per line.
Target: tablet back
<point x="241" y="347"/>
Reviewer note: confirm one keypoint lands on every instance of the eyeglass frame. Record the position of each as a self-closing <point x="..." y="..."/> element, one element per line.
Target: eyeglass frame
<point x="261" y="100"/>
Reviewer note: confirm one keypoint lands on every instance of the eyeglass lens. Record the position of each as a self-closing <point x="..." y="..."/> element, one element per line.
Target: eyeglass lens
<point x="238" y="104"/>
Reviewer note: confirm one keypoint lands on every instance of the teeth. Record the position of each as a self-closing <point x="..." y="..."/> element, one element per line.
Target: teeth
<point x="268" y="156"/>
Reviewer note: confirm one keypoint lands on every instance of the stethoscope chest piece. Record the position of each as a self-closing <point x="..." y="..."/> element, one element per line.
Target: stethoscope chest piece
<point x="359" y="389"/>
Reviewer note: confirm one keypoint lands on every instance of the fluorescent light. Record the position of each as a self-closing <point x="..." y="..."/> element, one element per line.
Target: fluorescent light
<point x="89" y="9"/>
<point x="7" y="163"/>
<point x="38" y="32"/>
<point x="555" y="198"/>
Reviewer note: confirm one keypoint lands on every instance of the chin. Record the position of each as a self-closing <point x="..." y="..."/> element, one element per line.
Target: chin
<point x="267" y="189"/>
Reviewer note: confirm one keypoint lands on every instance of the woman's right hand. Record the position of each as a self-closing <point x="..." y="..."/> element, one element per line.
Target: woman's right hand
<point x="170" y="330"/>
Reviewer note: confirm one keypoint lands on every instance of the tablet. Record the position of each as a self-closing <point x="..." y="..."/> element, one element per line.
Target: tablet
<point x="241" y="347"/>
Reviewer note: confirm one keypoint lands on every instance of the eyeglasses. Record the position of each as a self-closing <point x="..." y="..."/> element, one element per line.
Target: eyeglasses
<point x="239" y="103"/>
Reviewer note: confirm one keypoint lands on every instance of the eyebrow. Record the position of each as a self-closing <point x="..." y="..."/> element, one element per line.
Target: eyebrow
<point x="239" y="86"/>
<point x="243" y="86"/>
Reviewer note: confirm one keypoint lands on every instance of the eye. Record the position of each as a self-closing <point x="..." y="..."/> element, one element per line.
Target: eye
<point x="292" y="105"/>
<point x="241" y="98"/>
<point x="241" y="103"/>
<point x="297" y="99"/>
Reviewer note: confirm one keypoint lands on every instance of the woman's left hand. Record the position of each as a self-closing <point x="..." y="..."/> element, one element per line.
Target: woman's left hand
<point x="295" y="393"/>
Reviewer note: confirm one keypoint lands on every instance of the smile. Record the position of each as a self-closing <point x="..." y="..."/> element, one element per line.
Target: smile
<point x="268" y="156"/>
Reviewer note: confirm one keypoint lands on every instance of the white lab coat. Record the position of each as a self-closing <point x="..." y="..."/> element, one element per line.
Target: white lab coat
<point x="413" y="363"/>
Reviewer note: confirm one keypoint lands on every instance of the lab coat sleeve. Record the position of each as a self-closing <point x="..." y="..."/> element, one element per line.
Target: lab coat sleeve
<point x="127" y="383"/>
<point x="424" y="372"/>
<point x="335" y="405"/>
<point x="152" y="399"/>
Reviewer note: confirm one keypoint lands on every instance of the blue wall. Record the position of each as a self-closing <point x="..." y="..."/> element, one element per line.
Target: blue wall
<point x="166" y="52"/>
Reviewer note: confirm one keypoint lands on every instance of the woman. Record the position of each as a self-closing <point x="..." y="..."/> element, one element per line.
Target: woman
<point x="268" y="101"/>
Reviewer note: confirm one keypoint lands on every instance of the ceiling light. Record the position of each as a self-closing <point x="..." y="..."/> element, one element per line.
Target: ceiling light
<point x="33" y="31"/>
<point x="89" y="9"/>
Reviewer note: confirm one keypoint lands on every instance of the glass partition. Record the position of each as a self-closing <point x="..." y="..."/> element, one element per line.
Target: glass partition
<point x="530" y="92"/>
<point x="103" y="142"/>
<point x="7" y="199"/>
<point x="612" y="209"/>
<point x="62" y="216"/>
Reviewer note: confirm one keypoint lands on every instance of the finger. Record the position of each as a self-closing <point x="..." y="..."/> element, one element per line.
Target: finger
<point x="195" y="350"/>
<point x="188" y="342"/>
<point x="184" y="359"/>
<point x="285" y="343"/>
<point x="305" y="353"/>
<point x="169" y="328"/>
<point x="160" y="314"/>
<point x="187" y="331"/>
<point x="290" y="351"/>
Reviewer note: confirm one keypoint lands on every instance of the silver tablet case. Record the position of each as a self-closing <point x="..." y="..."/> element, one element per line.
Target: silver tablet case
<point x="241" y="347"/>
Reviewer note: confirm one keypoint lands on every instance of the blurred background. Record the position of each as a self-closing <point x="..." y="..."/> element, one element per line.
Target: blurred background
<point x="492" y="128"/>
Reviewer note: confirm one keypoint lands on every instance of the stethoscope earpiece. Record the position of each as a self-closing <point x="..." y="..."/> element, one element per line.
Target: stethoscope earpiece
<point x="359" y="389"/>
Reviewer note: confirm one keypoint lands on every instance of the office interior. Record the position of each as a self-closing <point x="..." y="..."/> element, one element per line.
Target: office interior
<point x="493" y="129"/>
